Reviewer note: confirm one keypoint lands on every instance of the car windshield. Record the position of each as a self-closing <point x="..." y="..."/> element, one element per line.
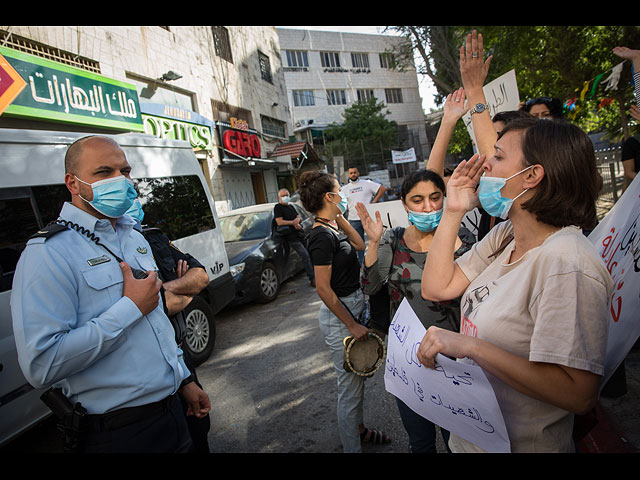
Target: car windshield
<point x="245" y="226"/>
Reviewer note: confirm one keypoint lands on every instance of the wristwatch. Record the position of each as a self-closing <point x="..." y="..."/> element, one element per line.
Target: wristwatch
<point x="479" y="108"/>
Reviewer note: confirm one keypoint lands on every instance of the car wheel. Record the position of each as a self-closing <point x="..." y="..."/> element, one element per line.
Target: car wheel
<point x="269" y="283"/>
<point x="201" y="330"/>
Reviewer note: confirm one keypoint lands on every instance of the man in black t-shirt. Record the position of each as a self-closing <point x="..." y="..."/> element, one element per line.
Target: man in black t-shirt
<point x="288" y="225"/>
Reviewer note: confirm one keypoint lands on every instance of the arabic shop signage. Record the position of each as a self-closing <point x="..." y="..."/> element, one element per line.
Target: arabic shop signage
<point x="62" y="93"/>
<point x="244" y="143"/>
<point x="166" y="121"/>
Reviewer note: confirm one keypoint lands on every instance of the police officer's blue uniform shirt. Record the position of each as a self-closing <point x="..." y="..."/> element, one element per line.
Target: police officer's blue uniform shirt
<point x="73" y="327"/>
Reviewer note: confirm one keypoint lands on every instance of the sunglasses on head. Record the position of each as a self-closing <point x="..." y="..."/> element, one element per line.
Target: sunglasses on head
<point x="538" y="100"/>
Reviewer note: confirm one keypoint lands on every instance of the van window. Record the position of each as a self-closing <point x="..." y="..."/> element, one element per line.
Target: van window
<point x="18" y="222"/>
<point x="176" y="205"/>
<point x="49" y="201"/>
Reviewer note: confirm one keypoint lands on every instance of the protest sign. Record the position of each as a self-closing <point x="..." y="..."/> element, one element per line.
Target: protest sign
<point x="455" y="395"/>
<point x="404" y="156"/>
<point x="392" y="213"/>
<point x="501" y="95"/>
<point x="617" y="239"/>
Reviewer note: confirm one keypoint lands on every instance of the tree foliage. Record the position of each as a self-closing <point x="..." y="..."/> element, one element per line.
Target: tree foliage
<point x="551" y="61"/>
<point x="363" y="120"/>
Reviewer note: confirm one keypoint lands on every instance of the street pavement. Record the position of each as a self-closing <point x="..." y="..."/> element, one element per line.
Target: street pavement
<point x="272" y="383"/>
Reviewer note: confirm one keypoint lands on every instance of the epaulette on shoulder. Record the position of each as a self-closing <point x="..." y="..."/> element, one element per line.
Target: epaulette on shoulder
<point x="48" y="231"/>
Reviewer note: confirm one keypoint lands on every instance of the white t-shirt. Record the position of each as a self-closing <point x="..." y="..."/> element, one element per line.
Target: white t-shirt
<point x="361" y="191"/>
<point x="551" y="306"/>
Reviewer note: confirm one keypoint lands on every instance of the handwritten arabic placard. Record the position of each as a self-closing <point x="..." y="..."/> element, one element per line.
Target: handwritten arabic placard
<point x="67" y="94"/>
<point x="617" y="239"/>
<point x="454" y="395"/>
<point x="501" y="95"/>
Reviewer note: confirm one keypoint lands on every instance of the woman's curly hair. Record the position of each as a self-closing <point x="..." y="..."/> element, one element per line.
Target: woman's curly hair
<point x="313" y="186"/>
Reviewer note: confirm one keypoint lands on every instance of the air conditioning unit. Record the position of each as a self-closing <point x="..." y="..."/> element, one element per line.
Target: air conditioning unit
<point x="303" y="123"/>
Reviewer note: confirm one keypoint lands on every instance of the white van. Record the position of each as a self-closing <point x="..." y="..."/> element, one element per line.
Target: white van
<point x="175" y="198"/>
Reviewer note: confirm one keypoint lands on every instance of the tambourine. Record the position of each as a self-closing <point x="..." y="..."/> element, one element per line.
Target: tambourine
<point x="364" y="357"/>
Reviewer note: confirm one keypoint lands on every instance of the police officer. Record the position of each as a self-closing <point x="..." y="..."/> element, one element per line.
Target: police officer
<point x="84" y="323"/>
<point x="183" y="277"/>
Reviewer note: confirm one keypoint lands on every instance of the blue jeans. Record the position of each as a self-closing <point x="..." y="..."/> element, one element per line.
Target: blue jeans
<point x="350" y="385"/>
<point x="357" y="225"/>
<point x="422" y="433"/>
<point x="304" y="255"/>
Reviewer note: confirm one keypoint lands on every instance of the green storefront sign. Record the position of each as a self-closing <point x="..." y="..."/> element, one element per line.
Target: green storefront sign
<point x="62" y="93"/>
<point x="199" y="136"/>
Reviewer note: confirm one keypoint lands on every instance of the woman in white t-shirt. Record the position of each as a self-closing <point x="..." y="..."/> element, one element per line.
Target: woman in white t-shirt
<point x="535" y="291"/>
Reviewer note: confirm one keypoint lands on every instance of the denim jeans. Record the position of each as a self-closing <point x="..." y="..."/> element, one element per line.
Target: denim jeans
<point x="421" y="432"/>
<point x="304" y="255"/>
<point x="357" y="225"/>
<point x="350" y="385"/>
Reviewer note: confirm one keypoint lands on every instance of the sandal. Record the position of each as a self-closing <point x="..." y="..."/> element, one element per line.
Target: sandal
<point x="375" y="437"/>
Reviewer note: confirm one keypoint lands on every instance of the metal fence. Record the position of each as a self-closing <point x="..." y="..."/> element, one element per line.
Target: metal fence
<point x="609" y="163"/>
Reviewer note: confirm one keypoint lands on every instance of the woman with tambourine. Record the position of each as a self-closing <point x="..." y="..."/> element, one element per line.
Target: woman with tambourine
<point x="332" y="245"/>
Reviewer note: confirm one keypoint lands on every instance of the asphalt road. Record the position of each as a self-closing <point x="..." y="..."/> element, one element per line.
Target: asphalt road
<point x="272" y="384"/>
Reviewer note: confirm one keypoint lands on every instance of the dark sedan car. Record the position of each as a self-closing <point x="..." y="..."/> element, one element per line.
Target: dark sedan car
<point x="260" y="258"/>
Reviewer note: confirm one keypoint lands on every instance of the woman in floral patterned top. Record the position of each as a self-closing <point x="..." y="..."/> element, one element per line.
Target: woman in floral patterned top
<point x="398" y="263"/>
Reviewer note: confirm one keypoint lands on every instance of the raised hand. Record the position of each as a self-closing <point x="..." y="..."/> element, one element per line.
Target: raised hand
<point x="461" y="188"/>
<point x="372" y="228"/>
<point x="454" y="105"/>
<point x="473" y="67"/>
<point x="627" y="53"/>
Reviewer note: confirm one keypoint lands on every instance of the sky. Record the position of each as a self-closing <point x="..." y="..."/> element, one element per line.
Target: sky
<point x="425" y="85"/>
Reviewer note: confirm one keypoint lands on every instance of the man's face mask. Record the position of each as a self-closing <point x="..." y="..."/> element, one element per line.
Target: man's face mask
<point x="136" y="211"/>
<point x="111" y="197"/>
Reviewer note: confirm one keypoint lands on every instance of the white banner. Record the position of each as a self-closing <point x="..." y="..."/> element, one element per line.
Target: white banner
<point x="455" y="395"/>
<point x="405" y="156"/>
<point x="617" y="239"/>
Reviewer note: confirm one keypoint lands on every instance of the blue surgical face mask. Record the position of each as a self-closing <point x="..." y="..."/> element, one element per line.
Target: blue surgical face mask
<point x="490" y="198"/>
<point x="425" y="221"/>
<point x="112" y="197"/>
<point x="343" y="201"/>
<point x="136" y="211"/>
<point x="286" y="199"/>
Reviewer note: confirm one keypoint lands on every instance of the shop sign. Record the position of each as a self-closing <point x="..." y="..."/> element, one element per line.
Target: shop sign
<point x="199" y="136"/>
<point x="244" y="143"/>
<point x="62" y="93"/>
<point x="11" y="84"/>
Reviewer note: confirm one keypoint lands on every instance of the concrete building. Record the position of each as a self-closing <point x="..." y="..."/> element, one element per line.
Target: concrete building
<point x="326" y="72"/>
<point x="221" y="88"/>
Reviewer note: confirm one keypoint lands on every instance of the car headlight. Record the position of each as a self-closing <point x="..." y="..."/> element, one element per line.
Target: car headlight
<point x="236" y="269"/>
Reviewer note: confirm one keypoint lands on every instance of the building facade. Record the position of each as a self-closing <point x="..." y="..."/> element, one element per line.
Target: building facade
<point x="220" y="88"/>
<point x="326" y="72"/>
